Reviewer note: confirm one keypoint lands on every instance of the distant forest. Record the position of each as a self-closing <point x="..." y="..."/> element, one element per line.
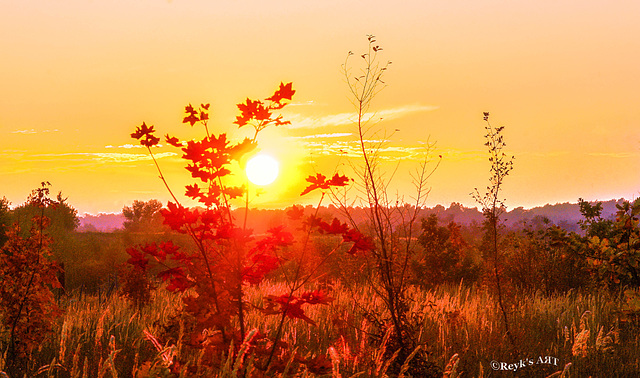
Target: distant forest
<point x="565" y="215"/>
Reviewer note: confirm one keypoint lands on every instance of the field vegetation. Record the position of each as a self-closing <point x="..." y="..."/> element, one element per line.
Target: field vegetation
<point x="382" y="291"/>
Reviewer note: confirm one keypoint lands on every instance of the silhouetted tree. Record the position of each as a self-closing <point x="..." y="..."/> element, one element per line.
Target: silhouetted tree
<point x="143" y="216"/>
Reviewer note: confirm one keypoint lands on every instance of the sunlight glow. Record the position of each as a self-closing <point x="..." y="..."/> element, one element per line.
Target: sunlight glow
<point x="262" y="170"/>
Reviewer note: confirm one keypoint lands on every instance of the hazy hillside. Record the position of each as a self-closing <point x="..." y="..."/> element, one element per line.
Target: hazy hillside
<point x="101" y="222"/>
<point x="564" y="214"/>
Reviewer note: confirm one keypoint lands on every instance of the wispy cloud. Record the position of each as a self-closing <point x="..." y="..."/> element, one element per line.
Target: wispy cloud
<point x="352" y="149"/>
<point x="127" y="158"/>
<point x="111" y="157"/>
<point x="618" y="155"/>
<point x="316" y="136"/>
<point x="305" y="103"/>
<point x="299" y="121"/>
<point x="33" y="131"/>
<point x="128" y="145"/>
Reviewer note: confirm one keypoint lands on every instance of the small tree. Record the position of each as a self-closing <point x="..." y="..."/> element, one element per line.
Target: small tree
<point x="225" y="257"/>
<point x="143" y="216"/>
<point x="445" y="257"/>
<point x="390" y="224"/>
<point x="27" y="306"/>
<point x="493" y="207"/>
<point x="611" y="249"/>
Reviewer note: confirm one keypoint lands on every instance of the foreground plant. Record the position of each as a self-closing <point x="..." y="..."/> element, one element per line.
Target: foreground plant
<point x="27" y="306"/>
<point x="225" y="258"/>
<point x="391" y="223"/>
<point x="493" y="207"/>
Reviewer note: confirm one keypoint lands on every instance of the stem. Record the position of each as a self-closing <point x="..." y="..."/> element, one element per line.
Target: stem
<point x="292" y="289"/>
<point x="193" y="236"/>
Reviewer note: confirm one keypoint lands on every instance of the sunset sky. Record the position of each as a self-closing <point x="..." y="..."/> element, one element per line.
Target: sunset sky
<point x="77" y="77"/>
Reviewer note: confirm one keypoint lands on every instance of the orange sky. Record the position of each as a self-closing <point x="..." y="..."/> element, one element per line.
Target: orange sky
<point x="562" y="76"/>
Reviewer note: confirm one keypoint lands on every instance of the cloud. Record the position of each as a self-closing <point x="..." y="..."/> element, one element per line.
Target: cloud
<point x="299" y="121"/>
<point x="111" y="157"/>
<point x="352" y="149"/>
<point x="127" y="158"/>
<point x="33" y="131"/>
<point x="332" y="135"/>
<point x="618" y="155"/>
<point x="127" y="146"/>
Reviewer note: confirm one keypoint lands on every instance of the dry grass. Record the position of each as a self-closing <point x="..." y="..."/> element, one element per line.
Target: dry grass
<point x="460" y="329"/>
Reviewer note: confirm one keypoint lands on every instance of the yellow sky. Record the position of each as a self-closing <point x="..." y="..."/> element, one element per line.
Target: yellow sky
<point x="562" y="76"/>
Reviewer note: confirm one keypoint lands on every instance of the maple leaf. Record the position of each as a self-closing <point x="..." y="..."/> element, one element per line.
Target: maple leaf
<point x="234" y="191"/>
<point x="295" y="213"/>
<point x="193" y="191"/>
<point x="247" y="110"/>
<point x="336" y="227"/>
<point x="193" y="151"/>
<point x="145" y="131"/>
<point x="150" y="141"/>
<point x="177" y="280"/>
<point x="137" y="258"/>
<point x="174" y="216"/>
<point x="316" y="182"/>
<point x="338" y="180"/>
<point x="152" y="249"/>
<point x="192" y="118"/>
<point x="360" y="242"/>
<point x="262" y="265"/>
<point x="175" y="142"/>
<point x="169" y="248"/>
<point x="287" y="305"/>
<point x="142" y="130"/>
<point x="320" y="182"/>
<point x="217" y="143"/>
<point x="284" y="92"/>
<point x="280" y="236"/>
<point x="312" y="221"/>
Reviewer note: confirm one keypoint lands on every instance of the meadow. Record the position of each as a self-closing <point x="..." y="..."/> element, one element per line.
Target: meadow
<point x="193" y="292"/>
<point x="582" y="334"/>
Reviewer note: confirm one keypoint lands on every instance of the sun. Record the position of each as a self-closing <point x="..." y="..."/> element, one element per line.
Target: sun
<point x="262" y="169"/>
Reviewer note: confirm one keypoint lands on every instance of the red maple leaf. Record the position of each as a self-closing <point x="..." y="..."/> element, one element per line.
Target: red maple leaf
<point x="174" y="216"/>
<point x="169" y="248"/>
<point x="295" y="213"/>
<point x="338" y="180"/>
<point x="336" y="227"/>
<point x="137" y="258"/>
<point x="142" y="130"/>
<point x="234" y="191"/>
<point x="193" y="191"/>
<point x="175" y="142"/>
<point x="288" y="305"/>
<point x="320" y="182"/>
<point x="177" y="280"/>
<point x="192" y="118"/>
<point x="360" y="242"/>
<point x="316" y="182"/>
<point x="145" y="131"/>
<point x="285" y="92"/>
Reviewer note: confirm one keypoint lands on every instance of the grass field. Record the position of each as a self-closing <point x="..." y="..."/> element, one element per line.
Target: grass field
<point x="105" y="337"/>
